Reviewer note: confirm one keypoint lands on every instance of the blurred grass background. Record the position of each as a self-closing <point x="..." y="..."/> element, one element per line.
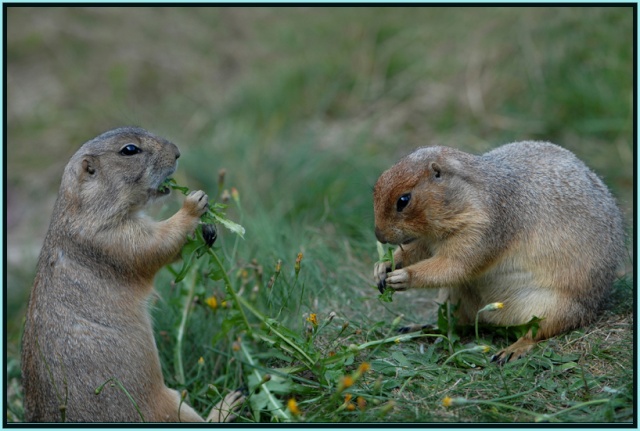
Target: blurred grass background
<point x="305" y="107"/>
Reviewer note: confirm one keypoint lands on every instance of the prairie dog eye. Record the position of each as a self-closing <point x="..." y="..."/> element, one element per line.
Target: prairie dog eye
<point x="403" y="201"/>
<point x="130" y="150"/>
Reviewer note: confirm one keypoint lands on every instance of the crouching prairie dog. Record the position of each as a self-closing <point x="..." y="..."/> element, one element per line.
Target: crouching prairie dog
<point x="88" y="320"/>
<point x="527" y="224"/>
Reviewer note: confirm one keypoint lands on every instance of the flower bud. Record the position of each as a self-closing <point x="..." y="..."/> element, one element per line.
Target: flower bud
<point x="209" y="233"/>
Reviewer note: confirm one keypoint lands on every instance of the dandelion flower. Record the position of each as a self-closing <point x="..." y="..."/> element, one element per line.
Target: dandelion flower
<point x="292" y="405"/>
<point x="201" y="361"/>
<point x="362" y="403"/>
<point x="347" y="381"/>
<point x="313" y="319"/>
<point x="351" y="407"/>
<point x="457" y="401"/>
<point x="212" y="302"/>
<point x="363" y="368"/>
<point x="492" y="307"/>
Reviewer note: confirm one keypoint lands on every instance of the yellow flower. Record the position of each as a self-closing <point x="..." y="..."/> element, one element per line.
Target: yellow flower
<point x="457" y="401"/>
<point x="313" y="318"/>
<point x="347" y="381"/>
<point x="363" y="368"/>
<point x="212" y="302"/>
<point x="351" y="407"/>
<point x="201" y="361"/>
<point x="292" y="405"/>
<point x="492" y="307"/>
<point x="347" y="398"/>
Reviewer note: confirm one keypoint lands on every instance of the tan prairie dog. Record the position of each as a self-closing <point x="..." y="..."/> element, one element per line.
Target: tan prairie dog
<point x="527" y="224"/>
<point x="88" y="319"/>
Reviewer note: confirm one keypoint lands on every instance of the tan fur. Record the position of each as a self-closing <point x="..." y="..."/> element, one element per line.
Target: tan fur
<point x="527" y="224"/>
<point x="87" y="319"/>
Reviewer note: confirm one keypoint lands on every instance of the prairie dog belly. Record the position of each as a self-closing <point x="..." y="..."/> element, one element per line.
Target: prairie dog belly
<point x="515" y="287"/>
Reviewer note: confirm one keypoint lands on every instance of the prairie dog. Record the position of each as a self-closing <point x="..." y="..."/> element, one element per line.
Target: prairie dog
<point x="527" y="224"/>
<point x="88" y="319"/>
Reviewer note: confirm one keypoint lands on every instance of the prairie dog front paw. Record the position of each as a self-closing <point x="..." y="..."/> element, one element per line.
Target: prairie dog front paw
<point x="380" y="271"/>
<point x="225" y="410"/>
<point x="400" y="279"/>
<point x="196" y="203"/>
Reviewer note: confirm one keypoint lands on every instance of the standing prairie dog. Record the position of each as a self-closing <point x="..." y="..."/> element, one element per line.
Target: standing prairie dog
<point x="88" y="319"/>
<point x="527" y="224"/>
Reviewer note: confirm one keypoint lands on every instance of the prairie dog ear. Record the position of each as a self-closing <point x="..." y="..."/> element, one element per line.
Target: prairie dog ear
<point x="89" y="166"/>
<point x="435" y="168"/>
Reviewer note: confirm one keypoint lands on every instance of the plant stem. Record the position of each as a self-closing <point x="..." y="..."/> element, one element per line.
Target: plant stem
<point x="121" y="386"/>
<point x="186" y="306"/>
<point x="272" y="328"/>
<point x="396" y="339"/>
<point x="230" y="290"/>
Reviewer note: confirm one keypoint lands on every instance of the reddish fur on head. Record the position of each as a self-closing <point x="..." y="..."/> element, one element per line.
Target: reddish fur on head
<point x="436" y="205"/>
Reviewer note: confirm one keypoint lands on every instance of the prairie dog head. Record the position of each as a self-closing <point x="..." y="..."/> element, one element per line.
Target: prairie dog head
<point x="119" y="170"/>
<point x="423" y="195"/>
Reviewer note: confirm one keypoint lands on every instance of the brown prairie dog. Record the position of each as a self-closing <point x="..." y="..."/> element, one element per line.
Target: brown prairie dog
<point x="87" y="319"/>
<point x="527" y="224"/>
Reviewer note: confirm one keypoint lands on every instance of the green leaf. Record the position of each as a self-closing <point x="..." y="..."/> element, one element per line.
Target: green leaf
<point x="188" y="251"/>
<point x="232" y="226"/>
<point x="170" y="182"/>
<point x="387" y="295"/>
<point x="401" y="359"/>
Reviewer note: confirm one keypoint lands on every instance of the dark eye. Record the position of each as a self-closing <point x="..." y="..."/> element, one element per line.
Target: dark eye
<point x="130" y="150"/>
<point x="403" y="201"/>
